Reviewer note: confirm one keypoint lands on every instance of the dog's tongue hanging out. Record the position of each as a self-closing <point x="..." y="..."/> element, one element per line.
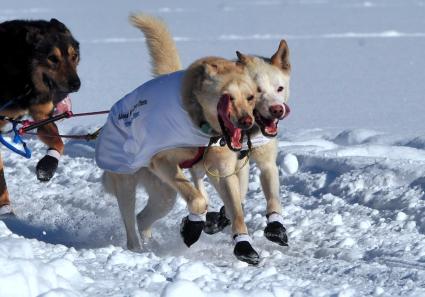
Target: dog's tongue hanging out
<point x="63" y="106"/>
<point x="234" y="135"/>
<point x="269" y="126"/>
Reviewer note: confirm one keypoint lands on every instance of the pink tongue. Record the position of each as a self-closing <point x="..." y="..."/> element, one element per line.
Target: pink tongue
<point x="63" y="106"/>
<point x="271" y="128"/>
<point x="223" y="109"/>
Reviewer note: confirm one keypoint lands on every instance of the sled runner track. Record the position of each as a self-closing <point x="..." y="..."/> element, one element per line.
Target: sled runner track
<point x="394" y="262"/>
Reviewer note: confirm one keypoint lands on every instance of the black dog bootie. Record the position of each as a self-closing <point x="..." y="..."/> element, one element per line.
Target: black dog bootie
<point x="216" y="221"/>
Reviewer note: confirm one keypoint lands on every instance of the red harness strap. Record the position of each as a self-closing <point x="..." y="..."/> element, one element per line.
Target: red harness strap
<point x="189" y="163"/>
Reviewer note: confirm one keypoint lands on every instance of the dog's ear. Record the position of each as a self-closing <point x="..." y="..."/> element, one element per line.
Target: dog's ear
<point x="243" y="59"/>
<point x="54" y="23"/>
<point x="281" y="57"/>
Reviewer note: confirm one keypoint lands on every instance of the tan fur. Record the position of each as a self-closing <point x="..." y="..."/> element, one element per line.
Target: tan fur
<point x="160" y="43"/>
<point x="4" y="193"/>
<point x="204" y="83"/>
<point x="232" y="189"/>
<point x="47" y="132"/>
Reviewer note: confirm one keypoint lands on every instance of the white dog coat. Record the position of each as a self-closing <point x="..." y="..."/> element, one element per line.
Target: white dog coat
<point x="146" y="121"/>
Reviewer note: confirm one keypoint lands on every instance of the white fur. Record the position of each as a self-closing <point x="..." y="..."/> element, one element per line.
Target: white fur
<point x="269" y="78"/>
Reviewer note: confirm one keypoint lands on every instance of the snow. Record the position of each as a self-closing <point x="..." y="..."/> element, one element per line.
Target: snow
<point x="351" y="161"/>
<point x="289" y="164"/>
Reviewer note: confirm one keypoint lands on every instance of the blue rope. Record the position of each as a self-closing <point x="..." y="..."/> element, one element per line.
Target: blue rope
<point x="25" y="151"/>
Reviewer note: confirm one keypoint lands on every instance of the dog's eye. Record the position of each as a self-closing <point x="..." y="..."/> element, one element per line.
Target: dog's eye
<point x="53" y="59"/>
<point x="250" y="98"/>
<point x="74" y="57"/>
<point x="232" y="98"/>
<point x="280" y="89"/>
<point x="258" y="89"/>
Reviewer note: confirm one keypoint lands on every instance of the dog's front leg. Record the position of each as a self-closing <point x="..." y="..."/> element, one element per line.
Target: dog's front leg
<point x="223" y="162"/>
<point x="265" y="157"/>
<point x="167" y="169"/>
<point x="4" y="194"/>
<point x="49" y="134"/>
<point x="198" y="173"/>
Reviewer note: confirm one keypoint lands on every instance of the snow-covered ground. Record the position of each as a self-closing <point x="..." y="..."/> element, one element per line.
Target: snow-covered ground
<point x="354" y="210"/>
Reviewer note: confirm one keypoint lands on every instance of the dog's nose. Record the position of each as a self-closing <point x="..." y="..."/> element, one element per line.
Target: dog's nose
<point x="277" y="111"/>
<point x="74" y="84"/>
<point x="245" y="122"/>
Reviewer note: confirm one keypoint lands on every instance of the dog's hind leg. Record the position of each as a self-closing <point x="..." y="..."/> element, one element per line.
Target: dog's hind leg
<point x="123" y="186"/>
<point x="160" y="202"/>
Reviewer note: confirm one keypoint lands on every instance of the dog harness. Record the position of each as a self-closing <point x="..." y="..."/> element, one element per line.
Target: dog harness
<point x="146" y="121"/>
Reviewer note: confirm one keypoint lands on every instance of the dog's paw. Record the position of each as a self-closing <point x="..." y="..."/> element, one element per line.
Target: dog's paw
<point x="275" y="232"/>
<point x="246" y="253"/>
<point x="191" y="230"/>
<point x="46" y="168"/>
<point x="216" y="221"/>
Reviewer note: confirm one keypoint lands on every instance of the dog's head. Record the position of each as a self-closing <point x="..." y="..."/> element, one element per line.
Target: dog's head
<point x="227" y="96"/>
<point x="272" y="78"/>
<point x="55" y="58"/>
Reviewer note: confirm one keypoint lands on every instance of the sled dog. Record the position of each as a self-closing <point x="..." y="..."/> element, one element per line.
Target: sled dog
<point x="38" y="69"/>
<point x="220" y="159"/>
<point x="159" y="127"/>
<point x="272" y="77"/>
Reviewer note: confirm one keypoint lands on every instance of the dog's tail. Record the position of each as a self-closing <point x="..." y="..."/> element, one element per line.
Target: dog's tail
<point x="162" y="49"/>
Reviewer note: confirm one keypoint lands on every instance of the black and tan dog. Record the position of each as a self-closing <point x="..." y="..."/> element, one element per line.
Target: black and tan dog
<point x="38" y="62"/>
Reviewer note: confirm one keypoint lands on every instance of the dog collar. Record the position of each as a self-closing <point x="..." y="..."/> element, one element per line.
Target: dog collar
<point x="206" y="128"/>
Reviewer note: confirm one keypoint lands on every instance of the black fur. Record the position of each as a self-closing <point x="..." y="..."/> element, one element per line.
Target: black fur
<point x="25" y="46"/>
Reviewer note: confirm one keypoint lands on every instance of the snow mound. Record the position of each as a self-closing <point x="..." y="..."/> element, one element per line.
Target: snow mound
<point x="23" y="274"/>
<point x="289" y="164"/>
<point x="353" y="137"/>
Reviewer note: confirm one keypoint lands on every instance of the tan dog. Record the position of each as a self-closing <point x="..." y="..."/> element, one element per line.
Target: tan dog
<point x="213" y="90"/>
<point x="222" y="160"/>
<point x="272" y="77"/>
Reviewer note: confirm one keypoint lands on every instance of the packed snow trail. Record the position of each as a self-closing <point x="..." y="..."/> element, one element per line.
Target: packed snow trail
<point x="354" y="213"/>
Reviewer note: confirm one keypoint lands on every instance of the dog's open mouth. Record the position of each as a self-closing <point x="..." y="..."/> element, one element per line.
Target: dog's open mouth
<point x="232" y="134"/>
<point x="268" y="126"/>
